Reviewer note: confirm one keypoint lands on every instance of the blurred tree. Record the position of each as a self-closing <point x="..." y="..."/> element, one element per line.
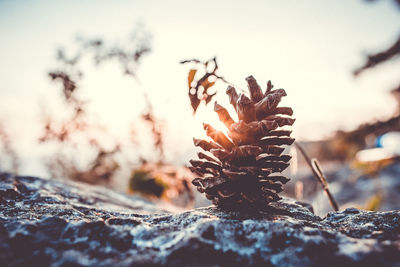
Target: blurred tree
<point x="9" y="159"/>
<point x="156" y="129"/>
<point x="161" y="180"/>
<point x="388" y="54"/>
<point x="78" y="129"/>
<point x="348" y="143"/>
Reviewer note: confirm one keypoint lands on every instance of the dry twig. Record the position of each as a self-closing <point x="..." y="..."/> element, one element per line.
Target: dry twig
<point x="317" y="171"/>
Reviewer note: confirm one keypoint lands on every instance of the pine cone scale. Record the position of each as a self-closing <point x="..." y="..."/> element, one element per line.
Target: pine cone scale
<point x="273" y="150"/>
<point x="266" y="157"/>
<point x="223" y="115"/>
<point x="280" y="133"/>
<point x="277" y="141"/>
<point x="254" y="89"/>
<point x="233" y="96"/>
<point x="205" y="145"/>
<point x="245" y="109"/>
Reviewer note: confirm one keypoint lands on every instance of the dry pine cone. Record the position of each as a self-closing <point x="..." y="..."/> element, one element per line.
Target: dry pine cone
<point x="244" y="169"/>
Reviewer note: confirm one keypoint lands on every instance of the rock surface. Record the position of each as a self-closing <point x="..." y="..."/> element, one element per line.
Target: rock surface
<point x="53" y="223"/>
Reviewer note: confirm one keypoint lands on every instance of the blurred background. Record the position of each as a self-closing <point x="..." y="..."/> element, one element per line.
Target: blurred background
<point x="97" y="91"/>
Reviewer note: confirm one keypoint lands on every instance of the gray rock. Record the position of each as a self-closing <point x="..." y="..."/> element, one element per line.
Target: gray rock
<point x="53" y="223"/>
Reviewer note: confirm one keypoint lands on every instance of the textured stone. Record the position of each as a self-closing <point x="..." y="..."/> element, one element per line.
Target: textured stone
<point x="48" y="222"/>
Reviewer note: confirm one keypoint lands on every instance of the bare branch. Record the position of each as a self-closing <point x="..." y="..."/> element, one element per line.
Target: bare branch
<point x="381" y="57"/>
<point x="317" y="171"/>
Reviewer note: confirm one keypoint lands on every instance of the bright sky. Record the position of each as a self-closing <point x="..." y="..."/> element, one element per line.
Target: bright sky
<point x="307" y="47"/>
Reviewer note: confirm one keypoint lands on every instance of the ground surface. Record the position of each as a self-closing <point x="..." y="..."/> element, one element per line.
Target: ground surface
<point x="52" y="223"/>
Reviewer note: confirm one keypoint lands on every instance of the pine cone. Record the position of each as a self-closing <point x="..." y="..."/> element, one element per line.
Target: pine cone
<point x="244" y="169"/>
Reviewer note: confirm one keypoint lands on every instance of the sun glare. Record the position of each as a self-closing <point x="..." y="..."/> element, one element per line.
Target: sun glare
<point x="207" y="115"/>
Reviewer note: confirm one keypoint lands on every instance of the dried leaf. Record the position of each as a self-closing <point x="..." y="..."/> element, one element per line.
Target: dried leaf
<point x="204" y="83"/>
<point x="194" y="101"/>
<point x="207" y="84"/>
<point x="191" y="75"/>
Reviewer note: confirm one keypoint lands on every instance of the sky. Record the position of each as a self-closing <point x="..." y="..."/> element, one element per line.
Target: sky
<point x="309" y="48"/>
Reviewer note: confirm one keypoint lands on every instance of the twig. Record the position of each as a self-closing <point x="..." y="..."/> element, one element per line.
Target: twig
<point x="317" y="171"/>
